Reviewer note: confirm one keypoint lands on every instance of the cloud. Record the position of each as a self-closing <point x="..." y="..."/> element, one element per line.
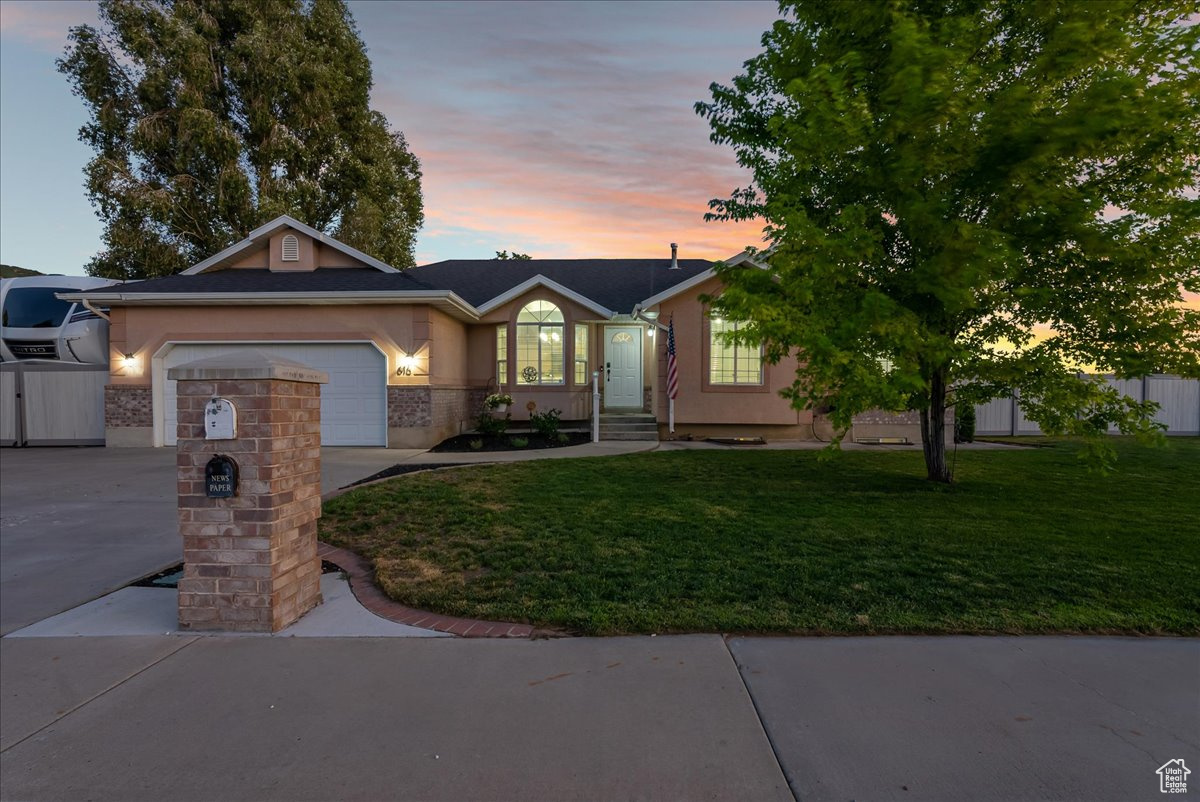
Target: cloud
<point x="565" y="126"/>
<point x="45" y="25"/>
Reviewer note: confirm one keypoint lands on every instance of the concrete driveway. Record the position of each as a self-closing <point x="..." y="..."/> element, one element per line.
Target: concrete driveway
<point x="77" y="523"/>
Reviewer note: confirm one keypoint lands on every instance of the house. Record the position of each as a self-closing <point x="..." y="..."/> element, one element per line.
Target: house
<point x="412" y="354"/>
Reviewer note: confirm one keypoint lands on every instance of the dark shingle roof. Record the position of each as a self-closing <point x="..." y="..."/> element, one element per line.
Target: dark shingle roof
<point x="616" y="284"/>
<point x="342" y="279"/>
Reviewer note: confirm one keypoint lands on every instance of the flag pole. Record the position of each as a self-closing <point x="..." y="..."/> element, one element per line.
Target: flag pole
<point x="672" y="375"/>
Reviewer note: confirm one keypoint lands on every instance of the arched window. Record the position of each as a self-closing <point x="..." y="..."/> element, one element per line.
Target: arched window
<point x="291" y="248"/>
<point x="540" y="343"/>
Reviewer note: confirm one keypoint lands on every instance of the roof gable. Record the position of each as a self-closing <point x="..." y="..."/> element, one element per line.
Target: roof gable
<point x="607" y="286"/>
<point x="260" y="237"/>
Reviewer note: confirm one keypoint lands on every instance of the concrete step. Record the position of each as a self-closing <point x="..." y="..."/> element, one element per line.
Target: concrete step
<point x="629" y="435"/>
<point x="628" y="426"/>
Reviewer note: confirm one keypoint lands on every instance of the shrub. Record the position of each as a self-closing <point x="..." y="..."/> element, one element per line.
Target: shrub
<point x="476" y="444"/>
<point x="964" y="424"/>
<point x="518" y="442"/>
<point x="491" y="426"/>
<point x="546" y="423"/>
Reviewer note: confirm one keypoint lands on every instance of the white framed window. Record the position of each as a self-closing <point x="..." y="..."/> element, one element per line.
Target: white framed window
<point x="502" y="354"/>
<point x="731" y="363"/>
<point x="540" y="351"/>
<point x="291" y="248"/>
<point x="581" y="354"/>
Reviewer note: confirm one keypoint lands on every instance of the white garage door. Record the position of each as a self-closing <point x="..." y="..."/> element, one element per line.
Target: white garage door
<point x="353" y="404"/>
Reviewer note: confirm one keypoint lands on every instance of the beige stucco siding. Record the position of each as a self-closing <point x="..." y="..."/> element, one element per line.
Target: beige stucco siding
<point x="573" y="401"/>
<point x="143" y="331"/>
<point x="699" y="402"/>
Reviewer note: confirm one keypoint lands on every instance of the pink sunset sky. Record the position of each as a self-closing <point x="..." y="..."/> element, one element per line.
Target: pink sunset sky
<point x="558" y="129"/>
<point x="555" y="129"/>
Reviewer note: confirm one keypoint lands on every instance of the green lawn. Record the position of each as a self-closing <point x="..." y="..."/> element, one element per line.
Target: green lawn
<point x="778" y="541"/>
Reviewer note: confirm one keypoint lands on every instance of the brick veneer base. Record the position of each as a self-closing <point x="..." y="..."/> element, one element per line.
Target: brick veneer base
<point x="250" y="561"/>
<point x="128" y="406"/>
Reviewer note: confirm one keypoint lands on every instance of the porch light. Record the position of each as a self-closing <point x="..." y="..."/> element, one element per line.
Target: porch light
<point x="129" y="361"/>
<point x="406" y="364"/>
<point x="650" y="333"/>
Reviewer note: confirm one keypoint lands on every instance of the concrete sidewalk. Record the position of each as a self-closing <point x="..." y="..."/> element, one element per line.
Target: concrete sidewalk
<point x="379" y="719"/>
<point x="239" y="718"/>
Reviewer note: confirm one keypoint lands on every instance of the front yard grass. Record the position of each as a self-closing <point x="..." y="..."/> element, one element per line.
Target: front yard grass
<point x="778" y="541"/>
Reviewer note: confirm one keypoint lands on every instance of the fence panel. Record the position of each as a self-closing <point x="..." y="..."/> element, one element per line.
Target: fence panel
<point x="994" y="418"/>
<point x="9" y="434"/>
<point x="1131" y="388"/>
<point x="1179" y="402"/>
<point x="65" y="407"/>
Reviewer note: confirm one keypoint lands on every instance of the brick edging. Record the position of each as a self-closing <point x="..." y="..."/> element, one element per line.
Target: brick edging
<point x="370" y="596"/>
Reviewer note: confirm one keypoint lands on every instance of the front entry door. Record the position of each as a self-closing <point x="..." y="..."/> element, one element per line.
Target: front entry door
<point x="623" y="366"/>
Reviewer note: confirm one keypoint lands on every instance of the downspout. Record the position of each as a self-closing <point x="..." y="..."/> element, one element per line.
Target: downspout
<point x="97" y="312"/>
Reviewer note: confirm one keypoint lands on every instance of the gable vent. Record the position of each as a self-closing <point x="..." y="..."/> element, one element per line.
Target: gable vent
<point x="291" y="248"/>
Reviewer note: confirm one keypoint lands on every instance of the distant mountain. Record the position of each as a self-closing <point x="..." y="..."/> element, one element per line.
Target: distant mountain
<point x="12" y="271"/>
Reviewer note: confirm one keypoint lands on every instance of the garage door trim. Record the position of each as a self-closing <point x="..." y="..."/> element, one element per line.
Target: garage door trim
<point x="159" y="372"/>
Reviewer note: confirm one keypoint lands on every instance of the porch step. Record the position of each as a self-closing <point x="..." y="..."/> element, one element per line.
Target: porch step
<point x="628" y="426"/>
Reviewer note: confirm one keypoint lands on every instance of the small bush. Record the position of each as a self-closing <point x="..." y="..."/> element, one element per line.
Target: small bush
<point x="964" y="424"/>
<point x="491" y="426"/>
<point x="562" y="438"/>
<point x="476" y="444"/>
<point x="518" y="442"/>
<point x="546" y="423"/>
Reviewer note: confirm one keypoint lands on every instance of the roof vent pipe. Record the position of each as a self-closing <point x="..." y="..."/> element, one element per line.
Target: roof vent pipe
<point x="674" y="256"/>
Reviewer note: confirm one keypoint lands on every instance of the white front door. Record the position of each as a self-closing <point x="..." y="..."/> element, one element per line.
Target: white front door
<point x="623" y="366"/>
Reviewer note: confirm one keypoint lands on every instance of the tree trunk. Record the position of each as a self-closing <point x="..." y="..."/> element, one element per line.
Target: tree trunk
<point x="933" y="429"/>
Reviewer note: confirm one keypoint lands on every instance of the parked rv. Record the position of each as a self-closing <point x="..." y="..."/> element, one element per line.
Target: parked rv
<point x="37" y="325"/>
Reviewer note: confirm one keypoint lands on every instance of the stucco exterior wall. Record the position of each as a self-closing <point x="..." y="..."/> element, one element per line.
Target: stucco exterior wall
<point x="699" y="404"/>
<point x="437" y="341"/>
<point x="313" y="254"/>
<point x="574" y="401"/>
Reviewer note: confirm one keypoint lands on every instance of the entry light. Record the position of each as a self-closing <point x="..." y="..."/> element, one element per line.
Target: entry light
<point x="129" y="361"/>
<point x="650" y="333"/>
<point x="405" y="365"/>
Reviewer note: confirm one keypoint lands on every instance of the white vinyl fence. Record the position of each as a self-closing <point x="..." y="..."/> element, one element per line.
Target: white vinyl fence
<point x="1178" y="400"/>
<point x="44" y="404"/>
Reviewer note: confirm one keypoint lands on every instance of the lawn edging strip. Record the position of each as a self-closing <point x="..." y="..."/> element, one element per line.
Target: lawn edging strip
<point x="362" y="584"/>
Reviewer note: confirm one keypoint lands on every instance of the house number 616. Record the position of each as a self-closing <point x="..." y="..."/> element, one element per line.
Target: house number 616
<point x="404" y="370"/>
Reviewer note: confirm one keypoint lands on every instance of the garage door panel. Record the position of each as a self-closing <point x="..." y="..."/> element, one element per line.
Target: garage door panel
<point x="353" y="407"/>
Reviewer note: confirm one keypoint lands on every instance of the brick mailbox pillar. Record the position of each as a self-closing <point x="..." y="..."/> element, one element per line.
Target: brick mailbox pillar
<point x="250" y="557"/>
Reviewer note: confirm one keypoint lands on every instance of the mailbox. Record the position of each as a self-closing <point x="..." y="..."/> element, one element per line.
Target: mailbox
<point x="220" y="420"/>
<point x="221" y="477"/>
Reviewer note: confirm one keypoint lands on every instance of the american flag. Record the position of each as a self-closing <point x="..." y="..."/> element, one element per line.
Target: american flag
<point x="672" y="369"/>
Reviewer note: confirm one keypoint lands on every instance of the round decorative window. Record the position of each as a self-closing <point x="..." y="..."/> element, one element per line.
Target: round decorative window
<point x="529" y="374"/>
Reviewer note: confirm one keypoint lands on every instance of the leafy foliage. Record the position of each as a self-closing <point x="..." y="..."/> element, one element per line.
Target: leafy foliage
<point x="520" y="257"/>
<point x="940" y="182"/>
<point x="210" y="117"/>
<point x="546" y="423"/>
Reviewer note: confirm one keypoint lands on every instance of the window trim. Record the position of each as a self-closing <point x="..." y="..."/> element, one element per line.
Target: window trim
<point x="577" y="360"/>
<point x="538" y="327"/>
<point x="707" y="385"/>
<point x="501" y="353"/>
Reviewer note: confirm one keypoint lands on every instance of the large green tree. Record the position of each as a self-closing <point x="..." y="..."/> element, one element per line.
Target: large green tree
<point x="210" y="117"/>
<point x="941" y="180"/>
